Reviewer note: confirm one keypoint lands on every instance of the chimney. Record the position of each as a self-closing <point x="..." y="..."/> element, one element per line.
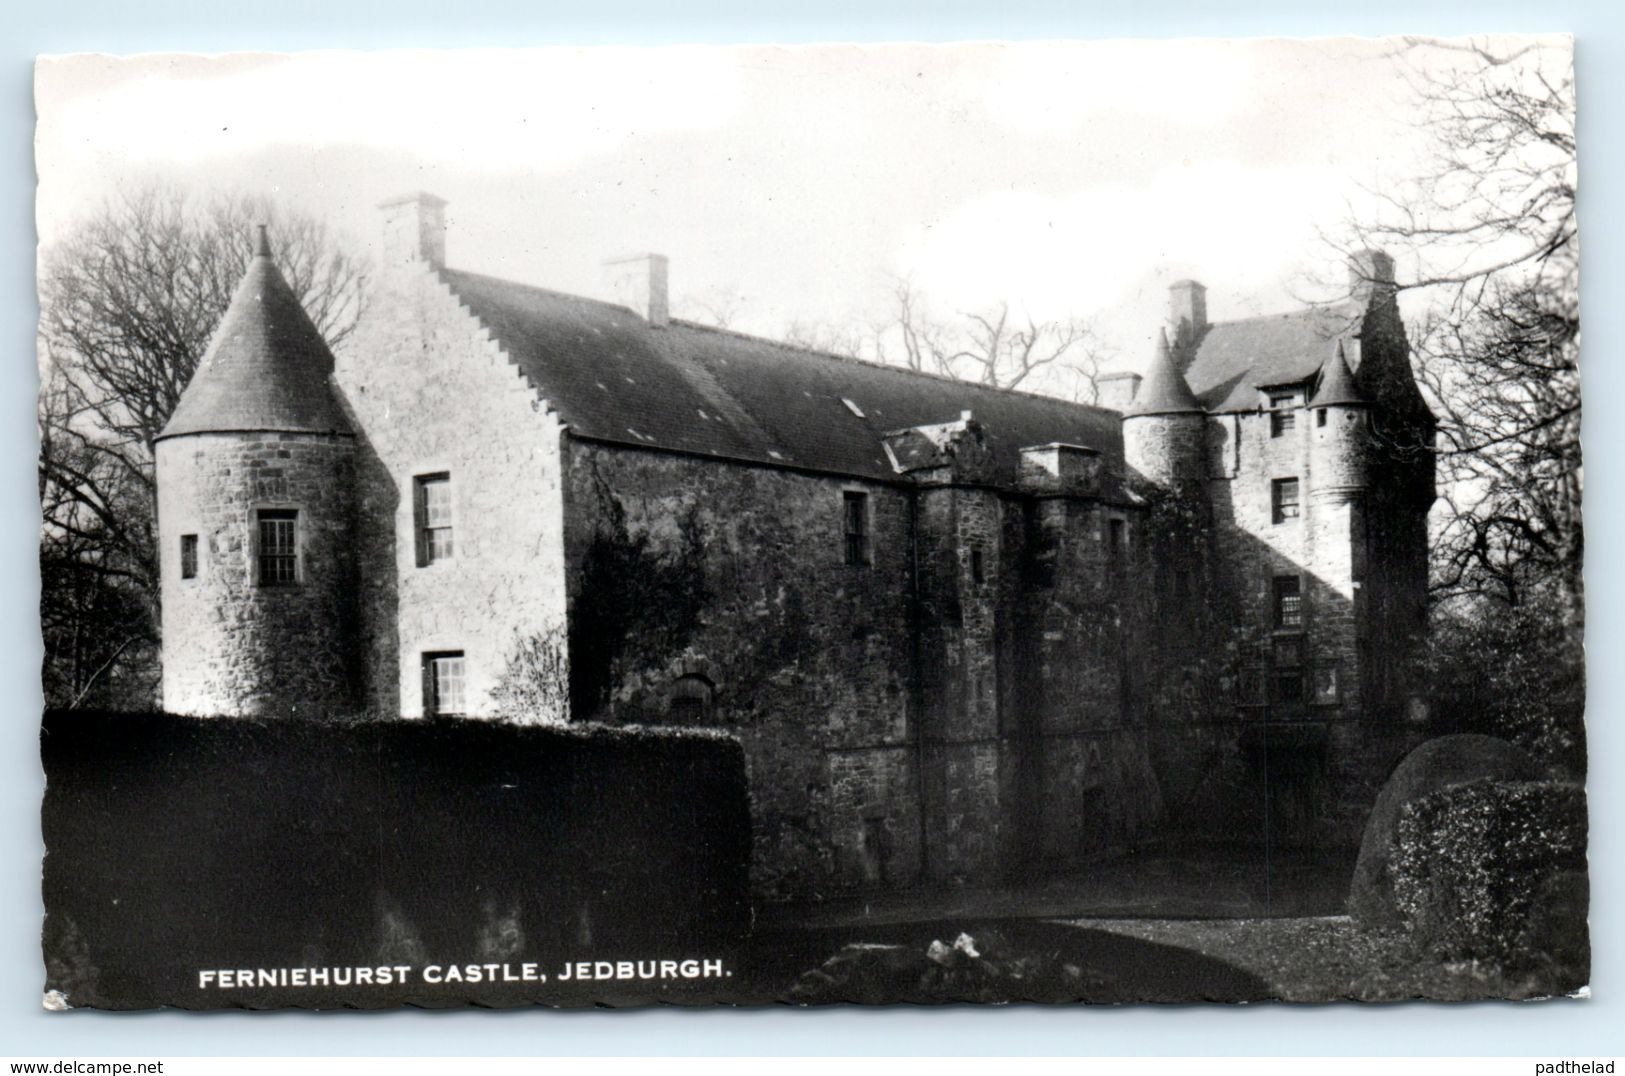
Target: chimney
<point x="1187" y="312"/>
<point x="415" y="228"/>
<point x="1371" y="273"/>
<point x="639" y="283"/>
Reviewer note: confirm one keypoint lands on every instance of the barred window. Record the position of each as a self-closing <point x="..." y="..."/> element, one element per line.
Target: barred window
<point x="279" y="546"/>
<point x="444" y="684"/>
<point x="856" y="507"/>
<point x="188" y="556"/>
<point x="432" y="498"/>
<point x="1284" y="499"/>
<point x="1288" y="602"/>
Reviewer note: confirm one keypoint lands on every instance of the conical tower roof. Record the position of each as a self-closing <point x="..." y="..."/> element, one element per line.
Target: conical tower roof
<point x="266" y="368"/>
<point x="1164" y="390"/>
<point x="1337" y="383"/>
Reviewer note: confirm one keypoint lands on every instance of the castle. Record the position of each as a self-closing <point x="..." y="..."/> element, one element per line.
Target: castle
<point x="960" y="633"/>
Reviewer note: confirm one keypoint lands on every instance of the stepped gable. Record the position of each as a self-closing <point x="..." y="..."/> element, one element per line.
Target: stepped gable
<point x="1337" y="383"/>
<point x="612" y="376"/>
<point x="1233" y="360"/>
<point x="1164" y="391"/>
<point x="267" y="367"/>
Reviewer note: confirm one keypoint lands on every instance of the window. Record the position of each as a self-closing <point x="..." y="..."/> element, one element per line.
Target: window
<point x="1284" y="499"/>
<point x="1288" y="602"/>
<point x="1320" y="416"/>
<point x="1326" y="684"/>
<point x="444" y="684"/>
<point x="1117" y="537"/>
<point x="1250" y="686"/>
<point x="432" y="498"/>
<point x="188" y="556"/>
<point x="1288" y="680"/>
<point x="978" y="573"/>
<point x="692" y="701"/>
<point x="279" y="547"/>
<point x="856" y="508"/>
<point x="1283" y="413"/>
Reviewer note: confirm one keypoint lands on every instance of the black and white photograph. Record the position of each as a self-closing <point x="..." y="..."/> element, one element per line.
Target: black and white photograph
<point x="1071" y="522"/>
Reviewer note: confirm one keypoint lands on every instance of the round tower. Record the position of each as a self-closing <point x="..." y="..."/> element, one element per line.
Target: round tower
<point x="1163" y="427"/>
<point x="255" y="474"/>
<point x="1340" y="428"/>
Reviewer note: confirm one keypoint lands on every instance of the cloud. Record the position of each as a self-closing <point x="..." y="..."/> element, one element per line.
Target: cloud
<point x="537" y="109"/>
<point x="1077" y="254"/>
<point x="1053" y="89"/>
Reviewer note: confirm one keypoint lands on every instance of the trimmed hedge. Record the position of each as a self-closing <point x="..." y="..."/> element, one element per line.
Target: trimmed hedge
<point x="1495" y="871"/>
<point x="177" y="844"/>
<point x="1440" y="763"/>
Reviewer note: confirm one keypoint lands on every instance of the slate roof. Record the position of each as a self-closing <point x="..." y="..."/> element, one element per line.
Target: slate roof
<point x="1235" y="359"/>
<point x="1337" y="383"/>
<point x="690" y="388"/>
<point x="1164" y="391"/>
<point x="266" y="368"/>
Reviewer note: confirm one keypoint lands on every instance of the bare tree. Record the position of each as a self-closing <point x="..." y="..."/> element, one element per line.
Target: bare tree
<point x="98" y="607"/>
<point x="997" y="346"/>
<point x="718" y="307"/>
<point x="128" y="303"/>
<point x="852" y="342"/>
<point x="1489" y="232"/>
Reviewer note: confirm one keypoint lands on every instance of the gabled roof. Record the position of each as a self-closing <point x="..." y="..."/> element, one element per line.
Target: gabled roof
<point x="613" y="377"/>
<point x="1337" y="383"/>
<point x="266" y="368"/>
<point x="1164" y="391"/>
<point x="1234" y="359"/>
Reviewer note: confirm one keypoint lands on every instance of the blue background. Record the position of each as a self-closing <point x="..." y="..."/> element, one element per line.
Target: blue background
<point x="1562" y="1028"/>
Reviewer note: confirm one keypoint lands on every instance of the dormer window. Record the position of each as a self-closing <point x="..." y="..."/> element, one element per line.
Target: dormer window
<point x="1283" y="413"/>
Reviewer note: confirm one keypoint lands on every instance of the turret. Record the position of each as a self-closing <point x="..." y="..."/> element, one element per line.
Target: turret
<point x="255" y="479"/>
<point x="1340" y="430"/>
<point x="1164" y="425"/>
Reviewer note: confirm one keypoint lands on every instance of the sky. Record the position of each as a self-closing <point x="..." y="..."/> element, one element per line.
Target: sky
<point x="788" y="184"/>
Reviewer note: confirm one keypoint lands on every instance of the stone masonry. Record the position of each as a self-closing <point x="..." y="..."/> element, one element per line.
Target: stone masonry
<point x="962" y="635"/>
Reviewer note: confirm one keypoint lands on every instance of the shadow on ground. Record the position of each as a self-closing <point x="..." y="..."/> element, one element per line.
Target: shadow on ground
<point x="995" y="960"/>
<point x="1207" y="882"/>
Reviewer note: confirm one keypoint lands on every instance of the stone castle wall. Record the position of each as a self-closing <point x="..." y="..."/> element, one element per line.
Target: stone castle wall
<point x="681" y="566"/>
<point x="231" y="645"/>
<point x="952" y="710"/>
<point x="436" y="395"/>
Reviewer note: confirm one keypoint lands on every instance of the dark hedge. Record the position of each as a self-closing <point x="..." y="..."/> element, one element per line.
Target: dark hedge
<point x="175" y="845"/>
<point x="1495" y="871"/>
<point x="1437" y="764"/>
